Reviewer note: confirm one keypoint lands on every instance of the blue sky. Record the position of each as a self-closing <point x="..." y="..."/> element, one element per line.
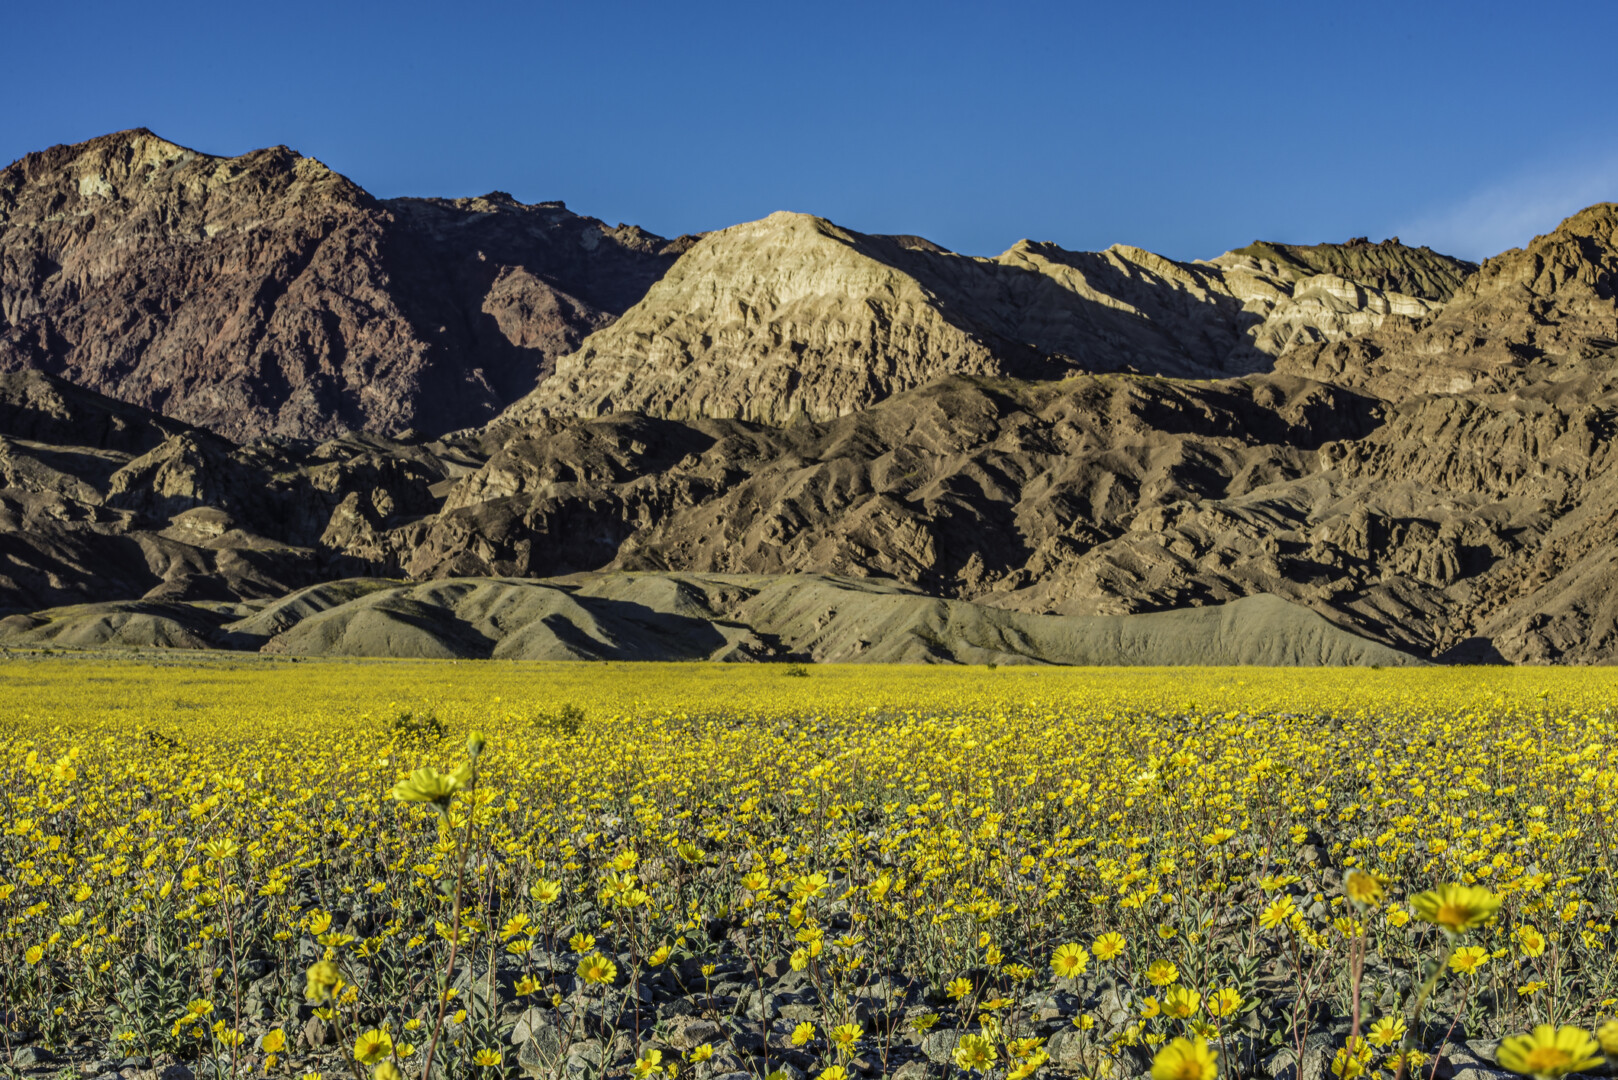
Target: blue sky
<point x="1186" y="128"/>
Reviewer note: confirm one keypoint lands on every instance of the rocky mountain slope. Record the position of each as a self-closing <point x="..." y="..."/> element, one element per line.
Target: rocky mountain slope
<point x="795" y="316"/>
<point x="266" y="294"/>
<point x="1416" y="450"/>
<point x="1529" y="317"/>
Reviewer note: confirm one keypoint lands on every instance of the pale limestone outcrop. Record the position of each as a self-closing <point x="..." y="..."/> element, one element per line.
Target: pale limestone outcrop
<point x="793" y="315"/>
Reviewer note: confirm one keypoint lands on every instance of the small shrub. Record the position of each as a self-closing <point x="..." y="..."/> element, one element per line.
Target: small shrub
<point x="564" y="721"/>
<point x="417" y="728"/>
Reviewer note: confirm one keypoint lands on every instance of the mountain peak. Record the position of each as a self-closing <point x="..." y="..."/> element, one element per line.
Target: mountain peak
<point x="268" y="294"/>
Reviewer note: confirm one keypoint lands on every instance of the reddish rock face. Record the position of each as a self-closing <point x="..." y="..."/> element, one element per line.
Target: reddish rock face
<point x="267" y="294"/>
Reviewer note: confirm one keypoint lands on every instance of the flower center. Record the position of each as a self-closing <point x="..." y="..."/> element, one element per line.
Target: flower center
<point x="1454" y="916"/>
<point x="1547" y="1059"/>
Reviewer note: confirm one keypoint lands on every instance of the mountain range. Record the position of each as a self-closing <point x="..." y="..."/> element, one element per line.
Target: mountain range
<point x="230" y="386"/>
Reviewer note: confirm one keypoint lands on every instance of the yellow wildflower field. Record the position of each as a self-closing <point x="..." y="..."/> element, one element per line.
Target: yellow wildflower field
<point x="386" y="868"/>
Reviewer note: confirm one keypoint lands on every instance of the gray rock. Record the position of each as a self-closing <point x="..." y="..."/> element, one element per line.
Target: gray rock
<point x="541" y="1052"/>
<point x="175" y="1072"/>
<point x="253" y="970"/>
<point x="763" y="1006"/>
<point x="316" y="1033"/>
<point x="1473" y="1061"/>
<point x="589" y="1051"/>
<point x="912" y="1070"/>
<point x="1113" y="1010"/>
<point x="530" y="1022"/>
<point x="792" y="980"/>
<point x="939" y="1046"/>
<point x="750" y="1041"/>
<point x="683" y="1035"/>
<point x="1282" y="1065"/>
<point x="32" y="1055"/>
<point x="1069" y="1050"/>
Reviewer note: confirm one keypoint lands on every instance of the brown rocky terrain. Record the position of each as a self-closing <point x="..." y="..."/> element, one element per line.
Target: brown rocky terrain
<point x="266" y="294"/>
<point x="835" y="433"/>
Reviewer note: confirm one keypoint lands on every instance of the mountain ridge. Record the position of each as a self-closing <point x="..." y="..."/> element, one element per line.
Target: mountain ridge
<point x="266" y="294"/>
<point x="1042" y="433"/>
<point x="795" y="315"/>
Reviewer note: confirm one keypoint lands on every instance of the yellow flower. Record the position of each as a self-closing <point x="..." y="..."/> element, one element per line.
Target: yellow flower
<point x="1149" y="1008"/>
<point x="1530" y="940"/>
<point x="1070" y="960"/>
<point x="1223" y="1003"/>
<point x="486" y="1058"/>
<point x="385" y="1071"/>
<point x="428" y="785"/>
<point x="647" y="1064"/>
<point x="221" y="848"/>
<point x="1182" y="1002"/>
<point x="372" y="1046"/>
<point x="959" y="988"/>
<point x="597" y="969"/>
<point x="325" y="980"/>
<point x="1346" y="1064"/>
<point x="1107" y="946"/>
<point x="1607" y="1035"/>
<point x="835" y="1072"/>
<point x="273" y="1041"/>
<point x="1184" y="1059"/>
<point x="1387" y="1031"/>
<point x="974" y="1052"/>
<point x="545" y="892"/>
<point x="527" y="985"/>
<point x="657" y="958"/>
<point x="845" y="1036"/>
<point x="1029" y="1067"/>
<point x="1362" y="888"/>
<point x="1277" y="913"/>
<point x="1456" y="908"/>
<point x="1468" y="958"/>
<point x="803" y="1033"/>
<point x="1549" y="1052"/>
<point x="1162" y="972"/>
<point x="34" y="955"/>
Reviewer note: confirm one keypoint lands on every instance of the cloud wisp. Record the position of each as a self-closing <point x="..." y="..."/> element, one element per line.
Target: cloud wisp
<point x="1512" y="211"/>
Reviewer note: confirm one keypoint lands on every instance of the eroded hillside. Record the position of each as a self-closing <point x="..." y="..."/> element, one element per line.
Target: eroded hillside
<point x="1415" y="449"/>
